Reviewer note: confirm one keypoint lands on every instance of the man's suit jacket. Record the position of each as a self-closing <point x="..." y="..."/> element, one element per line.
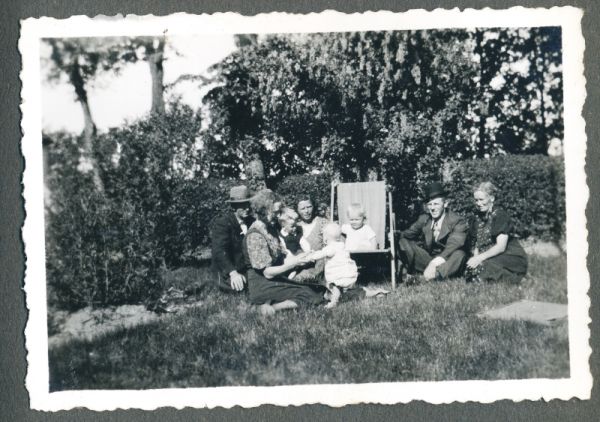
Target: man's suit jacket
<point x="453" y="234"/>
<point x="226" y="241"/>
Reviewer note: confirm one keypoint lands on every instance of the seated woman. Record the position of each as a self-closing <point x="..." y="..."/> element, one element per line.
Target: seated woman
<point x="497" y="255"/>
<point x="312" y="227"/>
<point x="267" y="285"/>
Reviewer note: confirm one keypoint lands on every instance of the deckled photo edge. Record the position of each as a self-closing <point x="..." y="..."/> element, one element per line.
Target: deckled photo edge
<point x="579" y="385"/>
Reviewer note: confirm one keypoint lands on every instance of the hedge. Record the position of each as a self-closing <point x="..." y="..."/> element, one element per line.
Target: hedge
<point x="531" y="189"/>
<point x="317" y="186"/>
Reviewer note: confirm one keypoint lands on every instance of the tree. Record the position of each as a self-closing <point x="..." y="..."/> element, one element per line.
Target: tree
<point x="264" y="106"/>
<point x="120" y="51"/>
<point x="399" y="105"/>
<point x="155" y="58"/>
<point x="521" y="86"/>
<point x="151" y="50"/>
<point x="388" y="84"/>
<point x="79" y="60"/>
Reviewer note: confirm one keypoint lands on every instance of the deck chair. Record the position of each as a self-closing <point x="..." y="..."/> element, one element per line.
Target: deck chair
<point x="372" y="196"/>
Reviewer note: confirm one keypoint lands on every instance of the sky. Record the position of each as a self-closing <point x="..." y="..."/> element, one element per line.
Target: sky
<point x="116" y="99"/>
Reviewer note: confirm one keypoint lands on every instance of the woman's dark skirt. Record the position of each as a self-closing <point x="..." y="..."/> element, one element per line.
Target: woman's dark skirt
<point x="279" y="289"/>
<point x="503" y="267"/>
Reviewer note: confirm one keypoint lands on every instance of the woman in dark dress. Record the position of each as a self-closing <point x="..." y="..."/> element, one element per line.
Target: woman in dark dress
<point x="497" y="255"/>
<point x="267" y="285"/>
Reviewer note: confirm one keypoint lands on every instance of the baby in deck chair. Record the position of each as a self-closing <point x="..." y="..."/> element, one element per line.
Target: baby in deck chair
<point x="340" y="270"/>
<point x="359" y="236"/>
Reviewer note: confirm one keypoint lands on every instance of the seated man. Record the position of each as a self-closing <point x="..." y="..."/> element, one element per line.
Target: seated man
<point x="442" y="234"/>
<point x="227" y="235"/>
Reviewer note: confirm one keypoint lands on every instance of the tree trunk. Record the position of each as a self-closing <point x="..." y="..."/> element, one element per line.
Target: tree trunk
<point x="89" y="127"/>
<point x="48" y="200"/>
<point x="155" y="61"/>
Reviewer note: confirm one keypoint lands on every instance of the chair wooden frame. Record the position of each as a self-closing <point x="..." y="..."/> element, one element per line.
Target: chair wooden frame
<point x="391" y="251"/>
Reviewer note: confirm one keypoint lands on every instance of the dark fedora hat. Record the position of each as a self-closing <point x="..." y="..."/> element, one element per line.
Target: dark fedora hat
<point x="239" y="194"/>
<point x="434" y="190"/>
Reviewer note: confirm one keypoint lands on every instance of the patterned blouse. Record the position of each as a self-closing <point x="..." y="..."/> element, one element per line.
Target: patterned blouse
<point x="486" y="228"/>
<point x="264" y="249"/>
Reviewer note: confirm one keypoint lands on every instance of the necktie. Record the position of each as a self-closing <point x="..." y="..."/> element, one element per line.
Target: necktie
<point x="436" y="229"/>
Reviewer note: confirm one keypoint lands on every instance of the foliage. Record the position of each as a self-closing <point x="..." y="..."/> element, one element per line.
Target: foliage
<point x="197" y="204"/>
<point x="428" y="332"/>
<point x="531" y="189"/>
<point x="520" y="101"/>
<point x="98" y="251"/>
<point x="389" y="84"/>
<point x="93" y="56"/>
<point x="317" y="186"/>
<point x="394" y="105"/>
<point x="154" y="162"/>
<point x="82" y="60"/>
<point x="154" y="210"/>
<point x="266" y="104"/>
<point x="391" y="104"/>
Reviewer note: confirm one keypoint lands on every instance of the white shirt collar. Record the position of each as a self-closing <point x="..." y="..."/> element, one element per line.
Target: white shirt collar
<point x="439" y="221"/>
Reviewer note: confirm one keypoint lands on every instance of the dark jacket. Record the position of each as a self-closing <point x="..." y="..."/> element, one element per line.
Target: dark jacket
<point x="226" y="242"/>
<point x="453" y="234"/>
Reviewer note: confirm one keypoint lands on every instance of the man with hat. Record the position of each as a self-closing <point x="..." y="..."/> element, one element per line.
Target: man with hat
<point x="227" y="233"/>
<point x="434" y="244"/>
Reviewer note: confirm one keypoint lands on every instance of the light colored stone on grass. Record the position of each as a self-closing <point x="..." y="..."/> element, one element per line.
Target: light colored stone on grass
<point x="526" y="310"/>
<point x="541" y="248"/>
<point x="88" y="323"/>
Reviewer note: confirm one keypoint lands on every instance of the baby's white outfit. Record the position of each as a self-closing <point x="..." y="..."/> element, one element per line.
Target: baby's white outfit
<point x="340" y="269"/>
<point x="358" y="239"/>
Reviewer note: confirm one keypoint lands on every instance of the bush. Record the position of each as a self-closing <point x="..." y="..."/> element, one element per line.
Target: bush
<point x="98" y="251"/>
<point x="195" y="205"/>
<point x="107" y="248"/>
<point x="152" y="163"/>
<point x="318" y="186"/>
<point x="531" y="189"/>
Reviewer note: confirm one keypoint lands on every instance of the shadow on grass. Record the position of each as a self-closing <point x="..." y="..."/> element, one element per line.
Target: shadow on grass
<point x="424" y="332"/>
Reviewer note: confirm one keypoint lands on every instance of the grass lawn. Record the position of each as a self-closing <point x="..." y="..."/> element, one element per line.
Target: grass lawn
<point x="424" y="332"/>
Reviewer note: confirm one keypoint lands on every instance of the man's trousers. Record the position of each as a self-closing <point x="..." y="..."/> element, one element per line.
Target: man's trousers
<point x="416" y="259"/>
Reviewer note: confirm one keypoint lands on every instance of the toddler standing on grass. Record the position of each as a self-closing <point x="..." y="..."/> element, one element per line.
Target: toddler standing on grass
<point x="359" y="236"/>
<point x="340" y="269"/>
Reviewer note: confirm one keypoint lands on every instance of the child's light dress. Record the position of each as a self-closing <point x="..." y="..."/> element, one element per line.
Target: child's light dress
<point x="340" y="269"/>
<point x="358" y="239"/>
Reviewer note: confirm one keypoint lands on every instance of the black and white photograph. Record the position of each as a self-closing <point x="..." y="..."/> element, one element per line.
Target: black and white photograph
<point x="332" y="208"/>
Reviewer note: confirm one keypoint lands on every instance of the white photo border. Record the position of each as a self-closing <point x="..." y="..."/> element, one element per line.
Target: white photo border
<point x="578" y="385"/>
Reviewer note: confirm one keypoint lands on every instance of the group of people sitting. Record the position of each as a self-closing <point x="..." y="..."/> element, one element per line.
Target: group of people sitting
<point x="286" y="257"/>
